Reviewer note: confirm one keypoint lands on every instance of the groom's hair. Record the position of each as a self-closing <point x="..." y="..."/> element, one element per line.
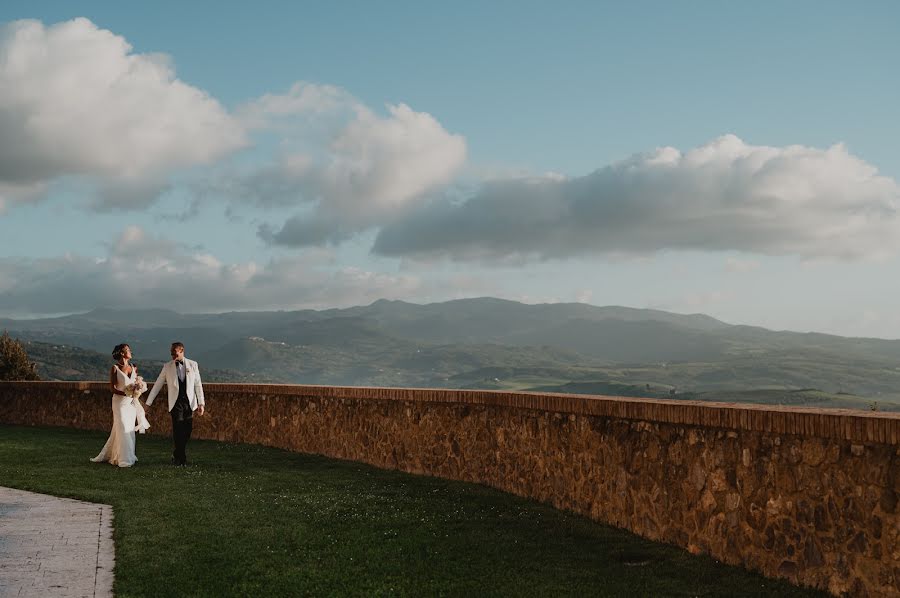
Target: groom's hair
<point x="178" y="344"/>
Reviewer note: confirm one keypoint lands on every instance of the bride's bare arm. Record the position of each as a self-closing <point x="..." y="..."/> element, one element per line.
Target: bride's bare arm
<point x="112" y="382"/>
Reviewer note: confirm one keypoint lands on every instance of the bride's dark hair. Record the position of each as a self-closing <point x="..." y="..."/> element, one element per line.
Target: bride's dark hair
<point x="119" y="351"/>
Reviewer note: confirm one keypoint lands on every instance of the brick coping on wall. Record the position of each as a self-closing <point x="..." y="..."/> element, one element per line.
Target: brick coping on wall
<point x="841" y="424"/>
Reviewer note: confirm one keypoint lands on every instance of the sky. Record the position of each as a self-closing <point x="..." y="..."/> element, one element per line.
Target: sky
<point x="733" y="159"/>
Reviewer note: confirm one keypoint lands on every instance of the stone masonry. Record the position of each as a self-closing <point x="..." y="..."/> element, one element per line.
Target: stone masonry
<point x="808" y="495"/>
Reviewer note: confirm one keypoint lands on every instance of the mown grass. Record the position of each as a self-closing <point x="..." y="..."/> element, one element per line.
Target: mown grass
<point x="246" y="520"/>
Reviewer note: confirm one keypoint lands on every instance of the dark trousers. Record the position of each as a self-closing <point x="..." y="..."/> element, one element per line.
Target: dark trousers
<point x="182" y="424"/>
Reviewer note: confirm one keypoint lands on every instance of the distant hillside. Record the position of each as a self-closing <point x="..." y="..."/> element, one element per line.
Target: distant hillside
<point x="804" y="397"/>
<point x="475" y="321"/>
<point x="489" y="320"/>
<point x="627" y="341"/>
<point x="64" y="362"/>
<point x="381" y="362"/>
<point x="483" y="343"/>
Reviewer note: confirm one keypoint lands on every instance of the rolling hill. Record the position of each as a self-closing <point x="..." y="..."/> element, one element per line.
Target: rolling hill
<point x="486" y="343"/>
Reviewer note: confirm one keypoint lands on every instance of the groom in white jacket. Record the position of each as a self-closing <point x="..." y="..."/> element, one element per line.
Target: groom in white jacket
<point x="185" y="392"/>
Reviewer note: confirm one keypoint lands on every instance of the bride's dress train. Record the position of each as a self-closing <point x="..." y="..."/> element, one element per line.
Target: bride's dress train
<point x="128" y="417"/>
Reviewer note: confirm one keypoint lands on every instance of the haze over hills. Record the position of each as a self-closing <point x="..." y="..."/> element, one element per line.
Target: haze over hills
<point x="489" y="343"/>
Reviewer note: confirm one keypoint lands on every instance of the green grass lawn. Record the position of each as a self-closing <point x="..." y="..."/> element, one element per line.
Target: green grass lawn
<point x="247" y="520"/>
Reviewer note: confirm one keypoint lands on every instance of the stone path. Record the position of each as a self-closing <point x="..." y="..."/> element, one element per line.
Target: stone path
<point x="54" y="546"/>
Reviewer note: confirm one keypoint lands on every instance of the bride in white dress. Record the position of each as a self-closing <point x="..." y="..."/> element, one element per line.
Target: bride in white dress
<point x="128" y="414"/>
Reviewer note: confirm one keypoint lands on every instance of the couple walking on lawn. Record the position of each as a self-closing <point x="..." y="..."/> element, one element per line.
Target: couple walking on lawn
<point x="185" y="393"/>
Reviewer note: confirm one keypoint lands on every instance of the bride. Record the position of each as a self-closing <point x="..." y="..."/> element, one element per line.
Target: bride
<point x="128" y="414"/>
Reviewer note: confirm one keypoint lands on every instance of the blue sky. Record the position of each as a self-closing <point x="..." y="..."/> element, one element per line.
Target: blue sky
<point x="301" y="186"/>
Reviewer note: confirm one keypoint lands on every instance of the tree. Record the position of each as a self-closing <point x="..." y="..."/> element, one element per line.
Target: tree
<point x="14" y="364"/>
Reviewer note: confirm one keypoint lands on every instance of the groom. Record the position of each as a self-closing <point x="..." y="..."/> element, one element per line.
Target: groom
<point x="185" y="393"/>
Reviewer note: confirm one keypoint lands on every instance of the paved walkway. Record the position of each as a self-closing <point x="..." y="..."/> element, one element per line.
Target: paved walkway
<point x="54" y="546"/>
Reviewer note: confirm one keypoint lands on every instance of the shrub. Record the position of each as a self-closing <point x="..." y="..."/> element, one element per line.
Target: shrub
<point x="14" y="364"/>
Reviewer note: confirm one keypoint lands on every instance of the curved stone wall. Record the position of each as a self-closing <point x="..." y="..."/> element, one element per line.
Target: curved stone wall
<point x="806" y="494"/>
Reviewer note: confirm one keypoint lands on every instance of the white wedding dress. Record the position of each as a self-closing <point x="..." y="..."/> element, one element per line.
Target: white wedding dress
<point x="128" y="417"/>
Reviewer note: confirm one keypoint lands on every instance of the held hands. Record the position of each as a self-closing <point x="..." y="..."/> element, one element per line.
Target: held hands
<point x="200" y="408"/>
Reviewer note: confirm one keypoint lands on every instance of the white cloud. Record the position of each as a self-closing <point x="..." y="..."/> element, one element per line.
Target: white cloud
<point x="694" y="302"/>
<point x="356" y="169"/>
<point x="304" y="99"/>
<point x="143" y="271"/>
<point x="725" y="195"/>
<point x="12" y="193"/>
<point x="733" y="264"/>
<point x="703" y="299"/>
<point x="584" y="296"/>
<point x="383" y="162"/>
<point x="75" y="100"/>
<point x="77" y="105"/>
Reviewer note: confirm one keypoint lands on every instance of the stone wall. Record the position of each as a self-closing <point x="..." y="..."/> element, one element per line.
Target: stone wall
<point x="809" y="495"/>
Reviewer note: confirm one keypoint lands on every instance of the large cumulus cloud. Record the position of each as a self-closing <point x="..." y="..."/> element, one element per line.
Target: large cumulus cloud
<point x="78" y="106"/>
<point x="342" y="166"/>
<point x="75" y="100"/>
<point x="725" y="195"/>
<point x="143" y="271"/>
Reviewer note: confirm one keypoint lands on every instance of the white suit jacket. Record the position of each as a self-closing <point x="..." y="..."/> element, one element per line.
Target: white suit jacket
<point x="169" y="375"/>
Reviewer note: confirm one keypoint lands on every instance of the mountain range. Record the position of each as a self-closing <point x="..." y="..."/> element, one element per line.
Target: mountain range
<point x="486" y="343"/>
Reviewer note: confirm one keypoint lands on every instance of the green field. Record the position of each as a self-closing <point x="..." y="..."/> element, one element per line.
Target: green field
<point x="252" y="521"/>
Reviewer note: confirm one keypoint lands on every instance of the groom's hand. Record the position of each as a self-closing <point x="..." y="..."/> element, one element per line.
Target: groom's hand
<point x="201" y="409"/>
